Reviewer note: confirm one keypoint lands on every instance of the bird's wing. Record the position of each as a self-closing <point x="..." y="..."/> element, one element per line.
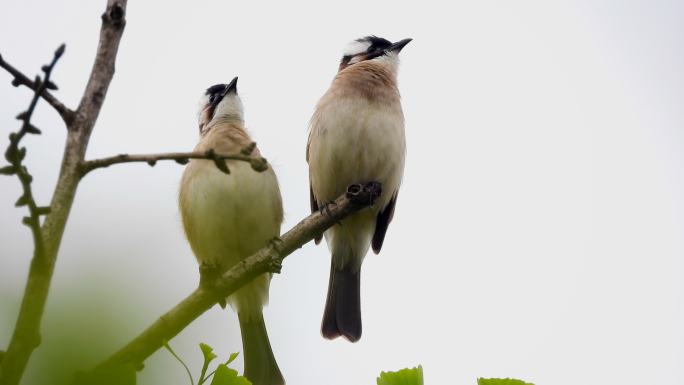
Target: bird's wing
<point x="382" y="222"/>
<point x="314" y="208"/>
<point x="312" y="197"/>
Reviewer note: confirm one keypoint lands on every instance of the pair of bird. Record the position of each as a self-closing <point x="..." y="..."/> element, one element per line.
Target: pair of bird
<point x="356" y="135"/>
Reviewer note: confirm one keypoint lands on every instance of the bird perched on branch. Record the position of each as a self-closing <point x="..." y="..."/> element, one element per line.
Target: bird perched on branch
<point x="228" y="214"/>
<point x="356" y="135"/>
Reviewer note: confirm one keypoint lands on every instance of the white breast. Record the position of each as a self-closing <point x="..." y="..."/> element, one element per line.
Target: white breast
<point x="228" y="217"/>
<point x="356" y="141"/>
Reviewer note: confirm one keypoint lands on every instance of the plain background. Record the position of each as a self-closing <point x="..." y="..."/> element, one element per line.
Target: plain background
<point x="538" y="233"/>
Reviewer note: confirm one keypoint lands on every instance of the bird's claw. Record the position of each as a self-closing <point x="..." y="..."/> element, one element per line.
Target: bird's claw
<point x="275" y="265"/>
<point x="277" y="244"/>
<point x="209" y="272"/>
<point x="325" y="208"/>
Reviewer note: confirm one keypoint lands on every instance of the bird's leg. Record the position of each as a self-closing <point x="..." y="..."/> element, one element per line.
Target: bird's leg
<point x="209" y="273"/>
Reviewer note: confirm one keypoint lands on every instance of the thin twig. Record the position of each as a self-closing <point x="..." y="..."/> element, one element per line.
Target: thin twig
<point x="26" y="335"/>
<point x="15" y="155"/>
<point x="22" y="80"/>
<point x="267" y="259"/>
<point x="258" y="164"/>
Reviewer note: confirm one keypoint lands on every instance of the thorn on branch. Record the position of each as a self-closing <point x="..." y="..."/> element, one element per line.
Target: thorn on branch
<point x="28" y="221"/>
<point x="31" y="129"/>
<point x="8" y="170"/>
<point x="22" y="201"/>
<point x="60" y="51"/>
<point x="182" y="161"/>
<point x="50" y="85"/>
<point x="152" y="162"/>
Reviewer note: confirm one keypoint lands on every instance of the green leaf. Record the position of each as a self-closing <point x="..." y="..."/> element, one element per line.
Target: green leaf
<point x="207" y="352"/>
<point x="232" y="358"/>
<point x="412" y="376"/>
<point x="227" y="376"/>
<point x="501" y="381"/>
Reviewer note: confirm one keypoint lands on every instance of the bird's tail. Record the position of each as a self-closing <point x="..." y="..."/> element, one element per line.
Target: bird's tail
<point x="261" y="367"/>
<point x="342" y="315"/>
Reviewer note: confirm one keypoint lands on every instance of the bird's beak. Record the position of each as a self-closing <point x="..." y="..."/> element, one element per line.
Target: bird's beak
<point x="231" y="87"/>
<point x="398" y="46"/>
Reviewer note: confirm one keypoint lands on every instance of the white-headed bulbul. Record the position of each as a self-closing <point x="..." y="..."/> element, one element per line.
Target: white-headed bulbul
<point x="356" y="135"/>
<point x="228" y="217"/>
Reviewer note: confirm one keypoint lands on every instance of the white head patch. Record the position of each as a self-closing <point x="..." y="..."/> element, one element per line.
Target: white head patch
<point x="356" y="47"/>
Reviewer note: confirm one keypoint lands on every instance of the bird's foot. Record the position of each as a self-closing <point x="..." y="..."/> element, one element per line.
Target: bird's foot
<point x="275" y="265"/>
<point x="325" y="208"/>
<point x="209" y="273"/>
<point x="277" y="244"/>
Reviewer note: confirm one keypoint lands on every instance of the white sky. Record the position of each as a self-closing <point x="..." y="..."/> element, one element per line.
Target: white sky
<point x="539" y="228"/>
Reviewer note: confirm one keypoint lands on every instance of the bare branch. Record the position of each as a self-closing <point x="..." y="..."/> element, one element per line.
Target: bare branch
<point x="22" y="80"/>
<point x="258" y="164"/>
<point x="15" y="155"/>
<point x="26" y="336"/>
<point x="268" y="259"/>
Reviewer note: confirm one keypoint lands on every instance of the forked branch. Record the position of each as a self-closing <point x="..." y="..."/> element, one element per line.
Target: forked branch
<point x="22" y="80"/>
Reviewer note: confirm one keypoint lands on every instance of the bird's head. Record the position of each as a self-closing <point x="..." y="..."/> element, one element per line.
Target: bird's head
<point x="372" y="48"/>
<point x="219" y="101"/>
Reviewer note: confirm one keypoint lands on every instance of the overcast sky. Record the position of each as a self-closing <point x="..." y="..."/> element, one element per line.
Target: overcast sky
<point x="539" y="228"/>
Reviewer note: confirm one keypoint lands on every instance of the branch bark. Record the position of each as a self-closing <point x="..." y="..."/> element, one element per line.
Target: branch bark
<point x="26" y="336"/>
<point x="258" y="164"/>
<point x="268" y="259"/>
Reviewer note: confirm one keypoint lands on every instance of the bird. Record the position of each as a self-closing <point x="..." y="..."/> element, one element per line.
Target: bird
<point x="227" y="217"/>
<point x="356" y="134"/>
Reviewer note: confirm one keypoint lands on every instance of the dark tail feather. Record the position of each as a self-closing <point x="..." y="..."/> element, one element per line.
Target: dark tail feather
<point x="342" y="315"/>
<point x="260" y="364"/>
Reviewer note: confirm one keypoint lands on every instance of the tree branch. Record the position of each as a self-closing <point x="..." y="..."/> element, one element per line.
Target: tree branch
<point x="26" y="336"/>
<point x="15" y="155"/>
<point x="258" y="164"/>
<point x="268" y="259"/>
<point x="22" y="80"/>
